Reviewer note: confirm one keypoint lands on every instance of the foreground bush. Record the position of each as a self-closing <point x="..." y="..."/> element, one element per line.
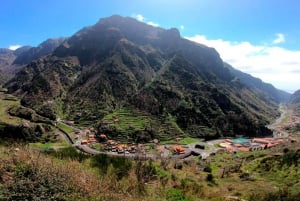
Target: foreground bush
<point x="120" y="165"/>
<point x="69" y="153"/>
<point x="28" y="176"/>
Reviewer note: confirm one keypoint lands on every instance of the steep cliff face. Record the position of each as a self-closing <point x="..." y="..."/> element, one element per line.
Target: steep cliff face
<point x="122" y="63"/>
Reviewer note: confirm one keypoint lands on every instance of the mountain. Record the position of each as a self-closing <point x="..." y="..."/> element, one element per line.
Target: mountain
<point x="156" y="82"/>
<point x="12" y="61"/>
<point x="295" y="98"/>
<point x="27" y="54"/>
<point x="266" y="89"/>
<point x="7" y="57"/>
<point x="21" y="50"/>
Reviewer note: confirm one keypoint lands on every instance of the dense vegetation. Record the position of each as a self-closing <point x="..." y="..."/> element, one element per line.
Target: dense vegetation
<point x="135" y="83"/>
<point x="21" y="123"/>
<point x="68" y="175"/>
<point x="122" y="64"/>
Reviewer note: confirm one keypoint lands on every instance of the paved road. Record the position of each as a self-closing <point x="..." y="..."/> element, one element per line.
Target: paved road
<point x="190" y="149"/>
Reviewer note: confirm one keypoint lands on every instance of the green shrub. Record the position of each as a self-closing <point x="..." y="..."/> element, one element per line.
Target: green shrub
<point x="121" y="165"/>
<point x="209" y="177"/>
<point x="175" y="195"/>
<point x="280" y="195"/>
<point x="190" y="185"/>
<point x="207" y="169"/>
<point x="34" y="182"/>
<point x="69" y="152"/>
<point x="291" y="158"/>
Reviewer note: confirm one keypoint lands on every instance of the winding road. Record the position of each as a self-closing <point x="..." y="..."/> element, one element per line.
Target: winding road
<point x="190" y="148"/>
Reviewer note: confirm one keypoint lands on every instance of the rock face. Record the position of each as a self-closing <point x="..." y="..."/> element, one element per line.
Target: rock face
<point x="123" y="63"/>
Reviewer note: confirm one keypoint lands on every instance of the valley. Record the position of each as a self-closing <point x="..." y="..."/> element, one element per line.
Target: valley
<point x="83" y="138"/>
<point x="260" y="175"/>
<point x="122" y="110"/>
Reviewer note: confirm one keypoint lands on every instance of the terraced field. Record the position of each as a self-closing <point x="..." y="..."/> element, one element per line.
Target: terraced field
<point x="127" y="121"/>
<point x="7" y="101"/>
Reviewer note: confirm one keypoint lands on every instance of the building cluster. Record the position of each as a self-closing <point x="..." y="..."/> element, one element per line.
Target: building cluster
<point x="88" y="136"/>
<point x="177" y="149"/>
<point x="254" y="144"/>
<point x="114" y="146"/>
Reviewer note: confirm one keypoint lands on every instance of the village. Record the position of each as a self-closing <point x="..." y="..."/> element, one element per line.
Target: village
<point x="100" y="143"/>
<point x="92" y="142"/>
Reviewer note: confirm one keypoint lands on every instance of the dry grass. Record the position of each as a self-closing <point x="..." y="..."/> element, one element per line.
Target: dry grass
<point x="75" y="180"/>
<point x="72" y="180"/>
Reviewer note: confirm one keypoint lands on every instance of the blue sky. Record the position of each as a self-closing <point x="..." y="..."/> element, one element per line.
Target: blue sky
<point x="260" y="37"/>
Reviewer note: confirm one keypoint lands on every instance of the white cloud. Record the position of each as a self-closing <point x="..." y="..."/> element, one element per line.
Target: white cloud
<point x="141" y="18"/>
<point x="14" y="47"/>
<point x="153" y="24"/>
<point x="280" y="38"/>
<point x="181" y="27"/>
<point x="273" y="64"/>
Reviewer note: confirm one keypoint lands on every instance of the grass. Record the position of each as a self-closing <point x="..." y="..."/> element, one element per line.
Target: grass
<point x="217" y="146"/>
<point x="167" y="142"/>
<point x="97" y="146"/>
<point x="6" y="104"/>
<point x="131" y="121"/>
<point x="172" y="121"/>
<point x="66" y="128"/>
<point x="189" y="182"/>
<point x="183" y="141"/>
<point x="128" y="120"/>
<point x="48" y="145"/>
<point x="189" y="140"/>
<point x="3" y="89"/>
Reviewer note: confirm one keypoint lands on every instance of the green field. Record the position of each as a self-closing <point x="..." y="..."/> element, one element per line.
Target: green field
<point x="130" y="121"/>
<point x="183" y="141"/>
<point x="65" y="127"/>
<point x="5" y="104"/>
<point x="49" y="145"/>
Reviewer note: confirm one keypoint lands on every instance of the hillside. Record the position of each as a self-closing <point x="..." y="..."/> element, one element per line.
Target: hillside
<point x="6" y="59"/>
<point x="123" y="64"/>
<point x="69" y="175"/>
<point x="294" y="103"/>
<point x="33" y="53"/>
<point x="295" y="98"/>
<point x="11" y="61"/>
<point x="265" y="89"/>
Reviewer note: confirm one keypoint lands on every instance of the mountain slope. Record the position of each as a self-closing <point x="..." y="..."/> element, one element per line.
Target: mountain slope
<point x="255" y="83"/>
<point x="295" y="98"/>
<point x="123" y="63"/>
<point x="12" y="61"/>
<point x="7" y="57"/>
<point x="33" y="53"/>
